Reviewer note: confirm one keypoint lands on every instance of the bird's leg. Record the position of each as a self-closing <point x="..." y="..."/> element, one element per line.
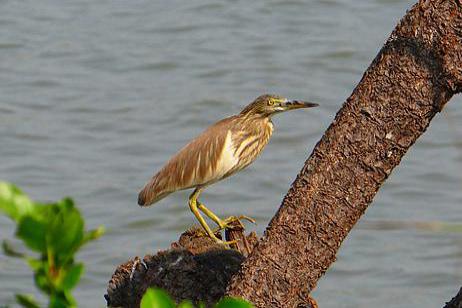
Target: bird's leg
<point x="193" y="206"/>
<point x="211" y="215"/>
<point x="222" y="224"/>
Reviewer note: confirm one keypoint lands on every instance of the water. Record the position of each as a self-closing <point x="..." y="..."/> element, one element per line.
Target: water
<point x="95" y="96"/>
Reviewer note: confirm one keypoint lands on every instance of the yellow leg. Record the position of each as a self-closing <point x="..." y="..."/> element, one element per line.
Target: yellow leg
<point x="193" y="206"/>
<point x="210" y="214"/>
<point x="221" y="223"/>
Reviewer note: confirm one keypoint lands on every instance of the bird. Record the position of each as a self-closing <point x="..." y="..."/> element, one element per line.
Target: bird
<point x="223" y="149"/>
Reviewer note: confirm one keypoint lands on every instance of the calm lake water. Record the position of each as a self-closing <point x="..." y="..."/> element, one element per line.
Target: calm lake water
<point x="96" y="95"/>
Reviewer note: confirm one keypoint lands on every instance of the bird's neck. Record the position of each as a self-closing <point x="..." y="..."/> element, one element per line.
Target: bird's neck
<point x="256" y="117"/>
<point x="259" y="121"/>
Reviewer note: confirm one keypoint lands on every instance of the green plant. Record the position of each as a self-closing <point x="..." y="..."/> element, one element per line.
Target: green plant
<point x="56" y="232"/>
<point x="157" y="298"/>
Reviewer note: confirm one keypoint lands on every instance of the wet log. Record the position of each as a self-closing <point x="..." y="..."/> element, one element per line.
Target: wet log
<point x="414" y="75"/>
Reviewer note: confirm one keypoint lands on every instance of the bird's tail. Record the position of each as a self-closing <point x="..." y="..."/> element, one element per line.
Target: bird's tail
<point x="152" y="192"/>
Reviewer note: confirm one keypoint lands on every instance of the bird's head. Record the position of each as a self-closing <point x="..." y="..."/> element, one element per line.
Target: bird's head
<point x="267" y="105"/>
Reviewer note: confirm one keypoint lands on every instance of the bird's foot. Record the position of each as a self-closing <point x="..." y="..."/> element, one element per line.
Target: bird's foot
<point x="224" y="243"/>
<point x="228" y="223"/>
<point x="203" y="233"/>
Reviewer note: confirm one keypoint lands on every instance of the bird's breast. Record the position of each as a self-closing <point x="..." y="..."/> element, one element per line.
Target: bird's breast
<point x="227" y="159"/>
<point x="247" y="144"/>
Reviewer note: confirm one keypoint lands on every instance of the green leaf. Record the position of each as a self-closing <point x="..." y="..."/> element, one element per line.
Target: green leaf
<point x="27" y="301"/>
<point x="65" y="230"/>
<point x="93" y="234"/>
<point x="35" y="264"/>
<point x="72" y="276"/>
<point x="156" y="298"/>
<point x="185" y="304"/>
<point x="41" y="281"/>
<point x="32" y="231"/>
<point x="70" y="300"/>
<point x="57" y="301"/>
<point x="229" y="302"/>
<point x="13" y="202"/>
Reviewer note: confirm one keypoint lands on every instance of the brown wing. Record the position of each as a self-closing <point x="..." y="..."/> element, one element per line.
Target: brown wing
<point x="200" y="162"/>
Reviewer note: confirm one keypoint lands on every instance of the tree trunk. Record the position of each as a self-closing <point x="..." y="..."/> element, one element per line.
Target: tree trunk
<point x="417" y="71"/>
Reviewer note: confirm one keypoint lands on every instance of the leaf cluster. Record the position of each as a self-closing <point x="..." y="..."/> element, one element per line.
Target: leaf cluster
<point x="157" y="298"/>
<point x="55" y="232"/>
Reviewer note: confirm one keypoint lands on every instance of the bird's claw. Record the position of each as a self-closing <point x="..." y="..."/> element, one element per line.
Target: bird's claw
<point x="202" y="233"/>
<point x="249" y="219"/>
<point x="225" y="243"/>
<point x="228" y="222"/>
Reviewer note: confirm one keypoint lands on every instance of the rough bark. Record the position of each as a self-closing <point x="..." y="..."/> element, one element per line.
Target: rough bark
<point x="414" y="75"/>
<point x="195" y="268"/>
<point x="417" y="71"/>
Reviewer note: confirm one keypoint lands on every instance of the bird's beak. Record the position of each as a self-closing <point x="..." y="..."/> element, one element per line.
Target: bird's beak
<point x="289" y="105"/>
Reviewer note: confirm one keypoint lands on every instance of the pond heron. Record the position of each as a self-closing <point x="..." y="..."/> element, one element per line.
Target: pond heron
<point x="221" y="150"/>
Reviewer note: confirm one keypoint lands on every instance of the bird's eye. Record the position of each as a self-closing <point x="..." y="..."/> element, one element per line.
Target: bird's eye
<point x="270" y="102"/>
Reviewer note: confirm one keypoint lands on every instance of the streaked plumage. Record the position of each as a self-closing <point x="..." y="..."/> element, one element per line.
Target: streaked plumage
<point x="221" y="150"/>
<point x="218" y="152"/>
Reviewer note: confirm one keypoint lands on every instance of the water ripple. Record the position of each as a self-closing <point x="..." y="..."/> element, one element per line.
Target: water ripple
<point x="96" y="96"/>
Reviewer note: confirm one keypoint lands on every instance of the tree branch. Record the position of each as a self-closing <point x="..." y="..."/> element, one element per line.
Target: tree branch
<point x="414" y="75"/>
<point x="411" y="79"/>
